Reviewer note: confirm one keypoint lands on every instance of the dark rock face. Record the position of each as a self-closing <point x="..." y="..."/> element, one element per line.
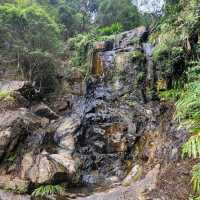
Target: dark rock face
<point x="114" y="114"/>
<point x="43" y="110"/>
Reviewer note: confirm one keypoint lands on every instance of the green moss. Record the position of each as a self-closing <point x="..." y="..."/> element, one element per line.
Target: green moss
<point x="136" y="55"/>
<point x="5" y="95"/>
<point x="160" y="52"/>
<point x="135" y="40"/>
<point x="170" y="95"/>
<point x="12" y="157"/>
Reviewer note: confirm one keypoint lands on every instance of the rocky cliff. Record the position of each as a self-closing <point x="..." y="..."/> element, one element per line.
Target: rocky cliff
<point x="107" y="131"/>
<point x="149" y="6"/>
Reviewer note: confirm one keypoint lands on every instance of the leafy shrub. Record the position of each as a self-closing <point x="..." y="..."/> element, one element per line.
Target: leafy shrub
<point x="160" y="51"/>
<point x="39" y="68"/>
<point x="176" y="41"/>
<point x="193" y="71"/>
<point x="31" y="37"/>
<point x="28" y="27"/>
<point x="110" y="30"/>
<point x="123" y="11"/>
<point x="175" y="36"/>
<point x="46" y="190"/>
<point x="170" y="95"/>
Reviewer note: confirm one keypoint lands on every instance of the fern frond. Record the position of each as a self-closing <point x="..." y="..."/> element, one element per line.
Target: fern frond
<point x="46" y="190"/>
<point x="194" y="198"/>
<point x="196" y="178"/>
<point x="191" y="148"/>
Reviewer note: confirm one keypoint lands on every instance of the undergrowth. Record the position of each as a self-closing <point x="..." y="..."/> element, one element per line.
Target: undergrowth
<point x="47" y="190"/>
<point x="177" y="53"/>
<point x="5" y="95"/>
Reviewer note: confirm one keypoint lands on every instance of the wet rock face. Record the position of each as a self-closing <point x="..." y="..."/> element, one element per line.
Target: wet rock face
<point x="116" y="109"/>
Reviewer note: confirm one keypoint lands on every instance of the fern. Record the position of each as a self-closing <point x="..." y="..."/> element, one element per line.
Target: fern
<point x="191" y="148"/>
<point x="196" y="178"/>
<point x="46" y="190"/>
<point x="188" y="106"/>
<point x="194" y="198"/>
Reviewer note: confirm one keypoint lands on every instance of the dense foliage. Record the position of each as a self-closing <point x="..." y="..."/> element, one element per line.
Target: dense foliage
<point x="29" y="36"/>
<point x="124" y="12"/>
<point x="34" y="33"/>
<point x="177" y="52"/>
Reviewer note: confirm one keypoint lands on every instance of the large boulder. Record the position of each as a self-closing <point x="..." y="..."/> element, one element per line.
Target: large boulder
<point x="15" y="126"/>
<point x="10" y="86"/>
<point x="41" y="169"/>
<point x="103" y="46"/>
<point x="65" y="159"/>
<point x="131" y="37"/>
<point x="46" y="168"/>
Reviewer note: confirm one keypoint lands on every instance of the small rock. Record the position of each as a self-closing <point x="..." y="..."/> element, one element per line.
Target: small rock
<point x="134" y="174"/>
<point x="11" y="86"/>
<point x="43" y="110"/>
<point x="39" y="169"/>
<point x="66" y="160"/>
<point x="104" y="46"/>
<point x="14" y="125"/>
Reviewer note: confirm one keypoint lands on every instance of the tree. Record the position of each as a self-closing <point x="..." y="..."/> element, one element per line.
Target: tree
<point x="28" y="35"/>
<point x="113" y="11"/>
<point x="72" y="20"/>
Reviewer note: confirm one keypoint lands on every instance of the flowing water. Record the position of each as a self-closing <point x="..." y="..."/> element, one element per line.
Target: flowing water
<point x="111" y="112"/>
